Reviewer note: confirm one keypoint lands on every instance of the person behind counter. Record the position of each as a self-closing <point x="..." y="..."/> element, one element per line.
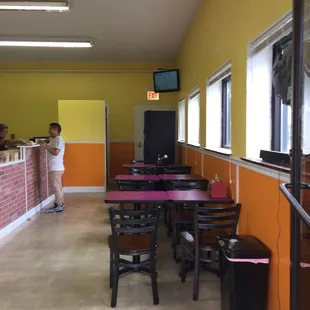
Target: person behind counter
<point x="55" y="154"/>
<point x="3" y="133"/>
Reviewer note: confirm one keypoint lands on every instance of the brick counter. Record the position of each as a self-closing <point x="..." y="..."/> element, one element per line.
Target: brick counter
<point x="12" y="193"/>
<point x="23" y="188"/>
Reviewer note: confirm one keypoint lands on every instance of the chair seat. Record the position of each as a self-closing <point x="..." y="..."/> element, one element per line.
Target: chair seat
<point x="132" y="243"/>
<point x="182" y="216"/>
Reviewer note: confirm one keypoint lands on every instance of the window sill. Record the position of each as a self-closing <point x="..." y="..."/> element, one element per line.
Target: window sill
<point x="194" y="145"/>
<point x="221" y="151"/>
<point x="260" y="162"/>
<point x="181" y="141"/>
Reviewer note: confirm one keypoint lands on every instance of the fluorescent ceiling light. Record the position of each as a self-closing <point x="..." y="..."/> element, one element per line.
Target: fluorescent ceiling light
<point x="59" y="6"/>
<point x="65" y="44"/>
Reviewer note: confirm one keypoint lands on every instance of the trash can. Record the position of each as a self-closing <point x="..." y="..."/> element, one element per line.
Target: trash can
<point x="244" y="269"/>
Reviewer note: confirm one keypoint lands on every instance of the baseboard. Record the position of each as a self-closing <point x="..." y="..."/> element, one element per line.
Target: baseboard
<point x="9" y="228"/>
<point x="85" y="189"/>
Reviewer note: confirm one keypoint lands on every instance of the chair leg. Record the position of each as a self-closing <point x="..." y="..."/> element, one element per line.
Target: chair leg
<point x="166" y="214"/>
<point x="196" y="277"/>
<point x="115" y="283"/>
<point x="174" y="239"/>
<point x="169" y="221"/>
<point x="111" y="268"/>
<point x="183" y="264"/>
<point x="154" y="282"/>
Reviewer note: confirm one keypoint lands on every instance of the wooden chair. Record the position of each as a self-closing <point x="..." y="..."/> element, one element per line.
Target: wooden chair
<point x="198" y="247"/>
<point x="134" y="233"/>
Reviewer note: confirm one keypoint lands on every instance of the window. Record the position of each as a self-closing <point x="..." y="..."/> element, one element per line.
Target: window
<point x="280" y="110"/>
<point x="181" y="121"/>
<point x="226" y="113"/>
<point x="218" y="117"/>
<point x="267" y="119"/>
<point x="193" y="119"/>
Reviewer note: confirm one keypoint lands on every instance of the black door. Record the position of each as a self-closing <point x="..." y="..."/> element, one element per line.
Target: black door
<point x="159" y="135"/>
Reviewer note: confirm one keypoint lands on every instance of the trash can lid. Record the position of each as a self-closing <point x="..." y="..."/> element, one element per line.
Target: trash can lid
<point x="243" y="247"/>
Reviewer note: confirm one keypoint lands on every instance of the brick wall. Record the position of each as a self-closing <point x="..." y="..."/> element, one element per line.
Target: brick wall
<point x="36" y="176"/>
<point x="12" y="193"/>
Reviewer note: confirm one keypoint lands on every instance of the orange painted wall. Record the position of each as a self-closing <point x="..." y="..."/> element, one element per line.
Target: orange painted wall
<point x="120" y="153"/>
<point x="84" y="164"/>
<point x="265" y="214"/>
<point x="193" y="159"/>
<point x="183" y="154"/>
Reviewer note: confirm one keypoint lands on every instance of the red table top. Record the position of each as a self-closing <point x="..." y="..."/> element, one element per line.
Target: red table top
<point x="136" y="196"/>
<point x="180" y="177"/>
<point x="145" y="177"/>
<point x="196" y="197"/>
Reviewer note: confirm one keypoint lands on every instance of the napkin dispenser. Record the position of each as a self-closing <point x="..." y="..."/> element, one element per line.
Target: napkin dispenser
<point x="218" y="189"/>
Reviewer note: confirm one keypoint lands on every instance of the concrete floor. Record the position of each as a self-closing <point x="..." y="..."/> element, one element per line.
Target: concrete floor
<point x="62" y="262"/>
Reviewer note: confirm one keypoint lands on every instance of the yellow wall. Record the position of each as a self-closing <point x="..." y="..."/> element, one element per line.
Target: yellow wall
<point x="220" y="32"/>
<point x="82" y="120"/>
<point x="29" y="100"/>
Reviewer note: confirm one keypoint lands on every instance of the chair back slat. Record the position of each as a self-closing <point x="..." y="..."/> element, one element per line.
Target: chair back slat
<point x="132" y="222"/>
<point x="136" y="186"/>
<point x="141" y="230"/>
<point x="202" y="219"/>
<point x="135" y="161"/>
<point x="188" y="185"/>
<point x="142" y="171"/>
<point x="222" y="226"/>
<point x="178" y="170"/>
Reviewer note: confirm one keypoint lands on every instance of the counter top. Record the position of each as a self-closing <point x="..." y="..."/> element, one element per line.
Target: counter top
<point x="13" y="162"/>
<point x="28" y="146"/>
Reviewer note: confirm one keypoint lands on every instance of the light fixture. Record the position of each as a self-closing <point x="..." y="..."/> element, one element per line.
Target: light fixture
<point x="63" y="44"/>
<point x="59" y="6"/>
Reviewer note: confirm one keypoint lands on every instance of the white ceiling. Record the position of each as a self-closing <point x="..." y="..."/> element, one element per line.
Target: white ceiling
<point x="122" y="30"/>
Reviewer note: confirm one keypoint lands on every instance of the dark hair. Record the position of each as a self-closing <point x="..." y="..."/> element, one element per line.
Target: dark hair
<point x="2" y="127"/>
<point x="56" y="126"/>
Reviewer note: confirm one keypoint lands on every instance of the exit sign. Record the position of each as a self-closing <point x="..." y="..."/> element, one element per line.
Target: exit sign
<point x="151" y="95"/>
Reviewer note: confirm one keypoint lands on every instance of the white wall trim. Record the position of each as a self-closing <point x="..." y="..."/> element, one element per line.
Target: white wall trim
<point x="85" y="189"/>
<point x="9" y="228"/>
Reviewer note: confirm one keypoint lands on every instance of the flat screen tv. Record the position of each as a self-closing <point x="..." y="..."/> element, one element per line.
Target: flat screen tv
<point x="166" y="81"/>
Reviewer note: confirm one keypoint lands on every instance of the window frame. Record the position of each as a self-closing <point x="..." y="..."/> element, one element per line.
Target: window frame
<point x="182" y="103"/>
<point x="276" y="102"/>
<point x="192" y="95"/>
<point x="224" y="137"/>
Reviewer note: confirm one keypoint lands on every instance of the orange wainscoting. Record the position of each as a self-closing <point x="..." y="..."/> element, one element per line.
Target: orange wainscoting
<point x="193" y="159"/>
<point x="265" y="214"/>
<point x="85" y="165"/>
<point x="120" y="153"/>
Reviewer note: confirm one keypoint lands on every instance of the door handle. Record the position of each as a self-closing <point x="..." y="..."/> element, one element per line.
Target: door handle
<point x="139" y="145"/>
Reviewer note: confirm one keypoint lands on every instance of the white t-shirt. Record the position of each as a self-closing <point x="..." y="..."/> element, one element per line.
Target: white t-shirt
<point x="56" y="162"/>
